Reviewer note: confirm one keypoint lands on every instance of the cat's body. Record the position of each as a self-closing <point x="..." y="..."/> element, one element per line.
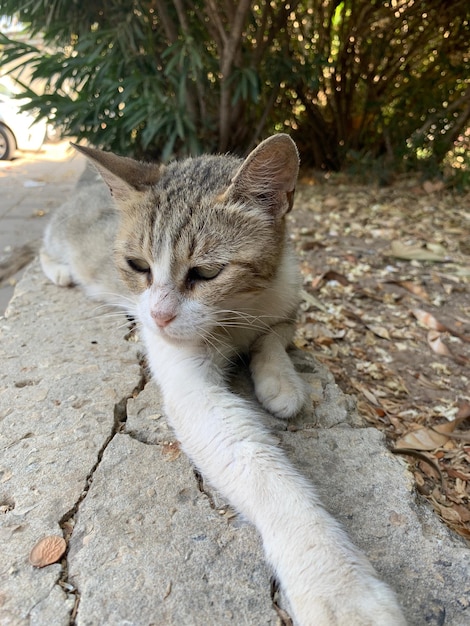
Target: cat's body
<point x="77" y="245"/>
<point x="201" y="249"/>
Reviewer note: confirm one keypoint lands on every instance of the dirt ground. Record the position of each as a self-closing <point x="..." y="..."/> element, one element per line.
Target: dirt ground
<point x="386" y="306"/>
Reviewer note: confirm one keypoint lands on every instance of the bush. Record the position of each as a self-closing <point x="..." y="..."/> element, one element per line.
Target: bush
<point x="352" y="79"/>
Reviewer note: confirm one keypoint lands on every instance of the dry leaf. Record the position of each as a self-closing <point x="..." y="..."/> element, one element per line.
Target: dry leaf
<point x="47" y="551"/>
<point x="432" y="438"/>
<point x="312" y="301"/>
<point x="428" y="321"/>
<point x="436" y="343"/>
<point x="340" y="278"/>
<point x="425" y="382"/>
<point x="171" y="450"/>
<point x="457" y="474"/>
<point x="446" y="427"/>
<point x="464" y="411"/>
<point x="416" y="289"/>
<point x="365" y="391"/>
<point x="422" y="439"/>
<point x="317" y="281"/>
<point x="463" y="511"/>
<point x="462" y="435"/>
<point x="380" y="331"/>
<point x="417" y="252"/>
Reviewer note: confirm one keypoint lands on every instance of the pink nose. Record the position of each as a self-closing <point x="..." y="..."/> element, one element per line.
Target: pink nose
<point x="162" y="319"/>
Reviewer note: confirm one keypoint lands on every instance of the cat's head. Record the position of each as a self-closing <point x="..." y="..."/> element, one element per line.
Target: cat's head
<point x="201" y="240"/>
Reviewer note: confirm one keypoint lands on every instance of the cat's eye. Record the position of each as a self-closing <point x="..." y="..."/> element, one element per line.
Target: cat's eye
<point x="207" y="273"/>
<point x="204" y="272"/>
<point x="139" y="265"/>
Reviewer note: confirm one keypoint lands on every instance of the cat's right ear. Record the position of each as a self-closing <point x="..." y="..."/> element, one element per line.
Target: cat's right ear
<point x="268" y="176"/>
<point x="124" y="176"/>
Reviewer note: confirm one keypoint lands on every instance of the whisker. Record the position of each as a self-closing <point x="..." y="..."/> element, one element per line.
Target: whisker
<point x="106" y="296"/>
<point x="212" y="341"/>
<point x="247" y="313"/>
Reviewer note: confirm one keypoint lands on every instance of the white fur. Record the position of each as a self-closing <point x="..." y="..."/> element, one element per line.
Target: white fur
<point x="327" y="581"/>
<point x="278" y="387"/>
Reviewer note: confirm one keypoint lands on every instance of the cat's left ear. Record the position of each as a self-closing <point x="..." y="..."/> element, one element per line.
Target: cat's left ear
<point x="124" y="176"/>
<point x="268" y="176"/>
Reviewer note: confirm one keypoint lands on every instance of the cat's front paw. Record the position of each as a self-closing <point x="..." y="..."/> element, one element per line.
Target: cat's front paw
<point x="278" y="387"/>
<point x="366" y="602"/>
<point x="58" y="273"/>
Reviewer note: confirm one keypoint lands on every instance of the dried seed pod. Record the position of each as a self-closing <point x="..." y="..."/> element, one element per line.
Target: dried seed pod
<point x="47" y="551"/>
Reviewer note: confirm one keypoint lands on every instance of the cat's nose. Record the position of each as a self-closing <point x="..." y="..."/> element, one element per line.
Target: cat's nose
<point x="162" y="319"/>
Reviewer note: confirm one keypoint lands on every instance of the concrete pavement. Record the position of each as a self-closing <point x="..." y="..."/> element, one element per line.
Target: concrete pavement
<point x="30" y="186"/>
<point x="85" y="453"/>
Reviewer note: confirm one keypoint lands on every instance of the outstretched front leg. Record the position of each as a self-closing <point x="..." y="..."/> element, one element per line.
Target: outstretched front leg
<point x="326" y="580"/>
<point x="278" y="386"/>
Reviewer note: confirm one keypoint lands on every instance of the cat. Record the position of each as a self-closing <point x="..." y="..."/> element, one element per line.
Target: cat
<point x="202" y="260"/>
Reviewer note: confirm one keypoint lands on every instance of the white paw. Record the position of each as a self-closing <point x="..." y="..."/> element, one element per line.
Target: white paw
<point x="58" y="273"/>
<point x="365" y="602"/>
<point x="278" y="388"/>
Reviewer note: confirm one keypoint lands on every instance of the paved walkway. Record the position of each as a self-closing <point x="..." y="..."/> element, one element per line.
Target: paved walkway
<point x="86" y="454"/>
<point x="30" y="186"/>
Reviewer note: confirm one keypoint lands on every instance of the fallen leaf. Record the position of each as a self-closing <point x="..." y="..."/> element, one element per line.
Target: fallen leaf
<point x="447" y="428"/>
<point x="436" y="343"/>
<point x="47" y="550"/>
<point x="340" y="278"/>
<point x="431" y="438"/>
<point x="415" y="288"/>
<point x="464" y="411"/>
<point x="365" y="391"/>
<point x="457" y="474"/>
<point x="317" y="281"/>
<point x="380" y="331"/>
<point x="461" y="435"/>
<point x="171" y="450"/>
<point x="425" y="382"/>
<point x="422" y="439"/>
<point x="312" y="301"/>
<point x="417" y="252"/>
<point x="428" y="321"/>
<point x="463" y="511"/>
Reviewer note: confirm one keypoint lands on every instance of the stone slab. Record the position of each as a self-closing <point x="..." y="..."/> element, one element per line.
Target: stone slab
<point x="59" y="384"/>
<point x="147" y="548"/>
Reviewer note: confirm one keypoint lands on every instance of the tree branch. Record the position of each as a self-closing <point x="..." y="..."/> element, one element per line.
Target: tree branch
<point x="167" y="23"/>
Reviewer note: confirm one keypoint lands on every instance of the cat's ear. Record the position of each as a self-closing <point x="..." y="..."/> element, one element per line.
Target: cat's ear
<point x="124" y="176"/>
<point x="268" y="176"/>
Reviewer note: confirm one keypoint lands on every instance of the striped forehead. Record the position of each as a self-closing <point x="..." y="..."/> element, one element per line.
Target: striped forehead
<point x="163" y="261"/>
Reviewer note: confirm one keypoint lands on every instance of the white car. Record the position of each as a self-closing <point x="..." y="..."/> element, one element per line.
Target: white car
<point x="18" y="129"/>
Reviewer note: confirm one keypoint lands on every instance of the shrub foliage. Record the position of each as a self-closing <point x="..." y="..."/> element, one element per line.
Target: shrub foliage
<point x="156" y="78"/>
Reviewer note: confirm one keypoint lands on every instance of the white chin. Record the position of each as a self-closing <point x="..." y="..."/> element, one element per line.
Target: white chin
<point x="175" y="335"/>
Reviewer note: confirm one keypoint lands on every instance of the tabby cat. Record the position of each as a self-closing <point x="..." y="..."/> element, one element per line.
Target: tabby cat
<point x="201" y="259"/>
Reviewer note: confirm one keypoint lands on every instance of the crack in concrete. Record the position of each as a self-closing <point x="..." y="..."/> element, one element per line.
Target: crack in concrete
<point x="202" y="488"/>
<point x="67" y="521"/>
<point x="284" y="617"/>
